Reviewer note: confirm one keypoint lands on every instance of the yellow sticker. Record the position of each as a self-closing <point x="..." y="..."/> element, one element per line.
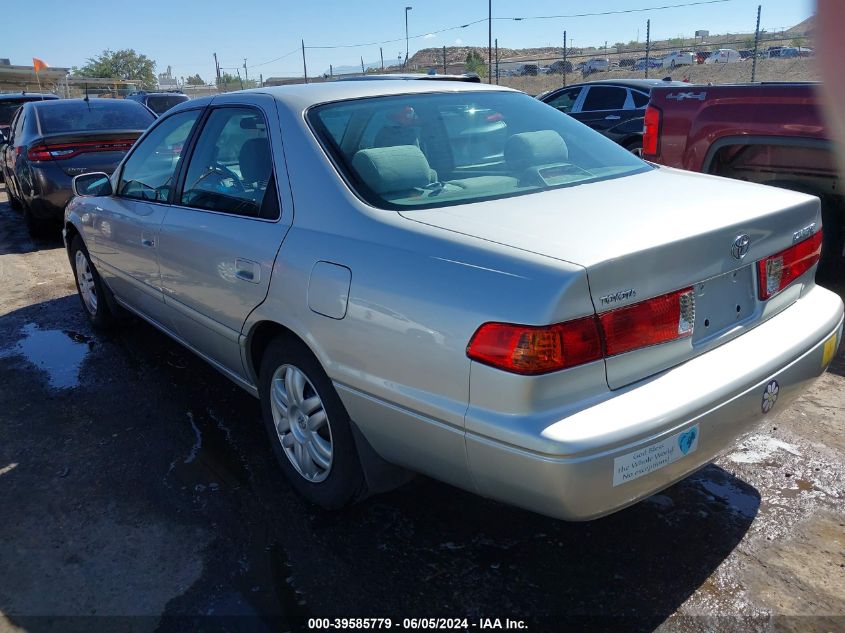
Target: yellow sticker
<point x="829" y="350"/>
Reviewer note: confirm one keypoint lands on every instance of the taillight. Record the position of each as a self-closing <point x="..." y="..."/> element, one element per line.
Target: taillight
<point x="527" y="349"/>
<point x="651" y="130"/>
<point x="658" y="320"/>
<point x="776" y="272"/>
<point x="69" y="150"/>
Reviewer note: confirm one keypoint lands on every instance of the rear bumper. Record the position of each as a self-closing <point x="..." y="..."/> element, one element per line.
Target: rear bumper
<point x="52" y="192"/>
<point x="720" y="393"/>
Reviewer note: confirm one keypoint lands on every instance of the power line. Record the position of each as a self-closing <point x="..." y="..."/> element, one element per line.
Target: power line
<point x="402" y="39"/>
<point x="615" y="12"/>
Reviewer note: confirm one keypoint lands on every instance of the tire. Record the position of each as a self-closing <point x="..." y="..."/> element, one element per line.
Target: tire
<point x="99" y="311"/>
<point x="36" y="227"/>
<point x="13" y="202"/>
<point x="287" y="364"/>
<point x="635" y="146"/>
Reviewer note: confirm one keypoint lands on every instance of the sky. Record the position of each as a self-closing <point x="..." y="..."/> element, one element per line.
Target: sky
<point x="184" y="34"/>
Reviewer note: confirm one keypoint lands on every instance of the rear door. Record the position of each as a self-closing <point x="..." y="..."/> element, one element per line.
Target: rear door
<point x="565" y="100"/>
<point x="219" y="240"/>
<point x="605" y="106"/>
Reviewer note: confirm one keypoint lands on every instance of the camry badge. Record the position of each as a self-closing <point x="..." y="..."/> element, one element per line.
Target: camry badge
<point x="740" y="246"/>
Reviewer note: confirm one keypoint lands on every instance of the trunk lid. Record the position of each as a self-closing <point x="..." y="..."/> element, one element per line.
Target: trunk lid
<point x="645" y="235"/>
<point x="83" y="152"/>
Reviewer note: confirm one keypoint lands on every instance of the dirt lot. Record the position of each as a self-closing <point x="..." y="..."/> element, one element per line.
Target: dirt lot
<point x="798" y="69"/>
<point x="138" y="493"/>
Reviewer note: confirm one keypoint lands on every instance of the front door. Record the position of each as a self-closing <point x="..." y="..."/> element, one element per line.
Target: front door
<point x="123" y="234"/>
<point x="219" y="240"/>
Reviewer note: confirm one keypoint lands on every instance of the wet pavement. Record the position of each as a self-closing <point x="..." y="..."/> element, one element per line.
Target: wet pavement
<point x="138" y="492"/>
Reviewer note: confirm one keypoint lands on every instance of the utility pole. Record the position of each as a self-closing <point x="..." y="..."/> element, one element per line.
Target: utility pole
<point x="489" y="41"/>
<point x="331" y="71"/>
<point x="444" y="60"/>
<point x="362" y="65"/>
<point x="647" y="44"/>
<point x="304" y="67"/>
<point x="406" y="36"/>
<point x="260" y="80"/>
<point x="756" y="44"/>
<point x="246" y="72"/>
<point x="381" y="54"/>
<point x="216" y="66"/>
<point x="564" y="58"/>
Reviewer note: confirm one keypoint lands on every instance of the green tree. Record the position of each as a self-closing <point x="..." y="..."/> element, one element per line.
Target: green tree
<point x="476" y="64"/>
<point x="124" y="64"/>
<point x="232" y="82"/>
<point x="195" y="80"/>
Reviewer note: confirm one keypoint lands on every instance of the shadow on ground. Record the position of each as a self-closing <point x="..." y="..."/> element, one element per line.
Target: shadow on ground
<point x="145" y="485"/>
<point x="14" y="237"/>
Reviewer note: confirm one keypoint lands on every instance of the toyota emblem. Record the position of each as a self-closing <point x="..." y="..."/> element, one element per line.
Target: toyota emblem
<point x="740" y="246"/>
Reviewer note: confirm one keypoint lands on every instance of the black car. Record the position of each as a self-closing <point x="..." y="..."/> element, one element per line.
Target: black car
<point x="53" y="141"/>
<point x="614" y="107"/>
<point x="158" y="102"/>
<point x="9" y="104"/>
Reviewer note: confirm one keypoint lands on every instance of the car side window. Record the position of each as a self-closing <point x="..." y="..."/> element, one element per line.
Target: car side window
<point x="640" y="99"/>
<point x="604" y="98"/>
<point x="17" y="125"/>
<point x="565" y="99"/>
<point x="231" y="168"/>
<point x="149" y="172"/>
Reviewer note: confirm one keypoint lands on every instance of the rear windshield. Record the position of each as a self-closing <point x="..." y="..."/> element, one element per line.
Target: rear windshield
<point x="431" y="150"/>
<point x="161" y="104"/>
<point x="96" y="114"/>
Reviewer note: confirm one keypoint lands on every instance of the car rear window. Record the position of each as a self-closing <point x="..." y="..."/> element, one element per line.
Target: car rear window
<point x="162" y="103"/>
<point x="95" y="114"/>
<point x="440" y="149"/>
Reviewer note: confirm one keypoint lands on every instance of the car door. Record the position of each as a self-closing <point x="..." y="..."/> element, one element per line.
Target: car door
<point x="604" y="107"/>
<point x="123" y="234"/>
<point x="10" y="153"/>
<point x="220" y="239"/>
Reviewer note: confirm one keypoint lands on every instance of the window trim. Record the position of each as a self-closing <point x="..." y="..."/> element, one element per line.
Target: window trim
<point x="118" y="173"/>
<point x="179" y="185"/>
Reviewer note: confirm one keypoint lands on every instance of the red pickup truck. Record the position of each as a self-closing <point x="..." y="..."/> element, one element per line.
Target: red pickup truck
<point x="769" y="133"/>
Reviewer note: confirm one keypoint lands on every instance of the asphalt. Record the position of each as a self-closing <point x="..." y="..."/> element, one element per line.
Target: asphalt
<point x="138" y="492"/>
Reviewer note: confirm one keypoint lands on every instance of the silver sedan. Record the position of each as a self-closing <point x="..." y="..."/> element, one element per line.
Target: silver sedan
<point x="457" y="280"/>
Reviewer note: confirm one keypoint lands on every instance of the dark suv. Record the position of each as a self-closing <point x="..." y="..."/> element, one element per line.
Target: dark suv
<point x="9" y="104"/>
<point x="158" y="102"/>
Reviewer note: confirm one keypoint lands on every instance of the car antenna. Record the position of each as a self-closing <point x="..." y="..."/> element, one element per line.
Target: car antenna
<point x="86" y="92"/>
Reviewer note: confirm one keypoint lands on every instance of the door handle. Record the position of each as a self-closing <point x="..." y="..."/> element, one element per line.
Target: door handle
<point x="612" y="117"/>
<point x="247" y="270"/>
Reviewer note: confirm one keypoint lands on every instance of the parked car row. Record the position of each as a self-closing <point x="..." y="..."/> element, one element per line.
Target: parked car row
<point x="557" y="365"/>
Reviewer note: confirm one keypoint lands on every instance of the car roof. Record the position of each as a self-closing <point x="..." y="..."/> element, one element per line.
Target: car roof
<point x="641" y="84"/>
<point x="468" y="77"/>
<point x="302" y="96"/>
<point x="55" y="103"/>
<point x="27" y="96"/>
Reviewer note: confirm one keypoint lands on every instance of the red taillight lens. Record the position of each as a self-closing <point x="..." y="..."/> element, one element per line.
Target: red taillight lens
<point x="526" y="349"/>
<point x="651" y="130"/>
<point x="69" y="150"/>
<point x="778" y="271"/>
<point x="658" y="320"/>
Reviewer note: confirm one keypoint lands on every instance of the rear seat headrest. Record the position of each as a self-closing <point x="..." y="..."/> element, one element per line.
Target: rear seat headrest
<point x="530" y="149"/>
<point x="393" y="169"/>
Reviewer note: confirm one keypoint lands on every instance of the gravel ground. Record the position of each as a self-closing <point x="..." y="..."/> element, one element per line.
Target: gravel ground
<point x="139" y="493"/>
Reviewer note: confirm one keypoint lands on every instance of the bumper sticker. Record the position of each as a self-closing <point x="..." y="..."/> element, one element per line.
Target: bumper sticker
<point x="655" y="456"/>
<point x="829" y="350"/>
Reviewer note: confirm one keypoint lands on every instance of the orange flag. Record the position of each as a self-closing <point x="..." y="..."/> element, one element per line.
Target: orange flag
<point x="38" y="64"/>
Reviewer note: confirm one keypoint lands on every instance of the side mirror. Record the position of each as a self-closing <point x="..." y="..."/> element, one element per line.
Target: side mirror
<point x="94" y="184"/>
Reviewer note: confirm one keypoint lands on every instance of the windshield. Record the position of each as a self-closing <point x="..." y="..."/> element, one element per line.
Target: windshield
<point x="429" y="150"/>
<point x="161" y="104"/>
<point x="96" y="114"/>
